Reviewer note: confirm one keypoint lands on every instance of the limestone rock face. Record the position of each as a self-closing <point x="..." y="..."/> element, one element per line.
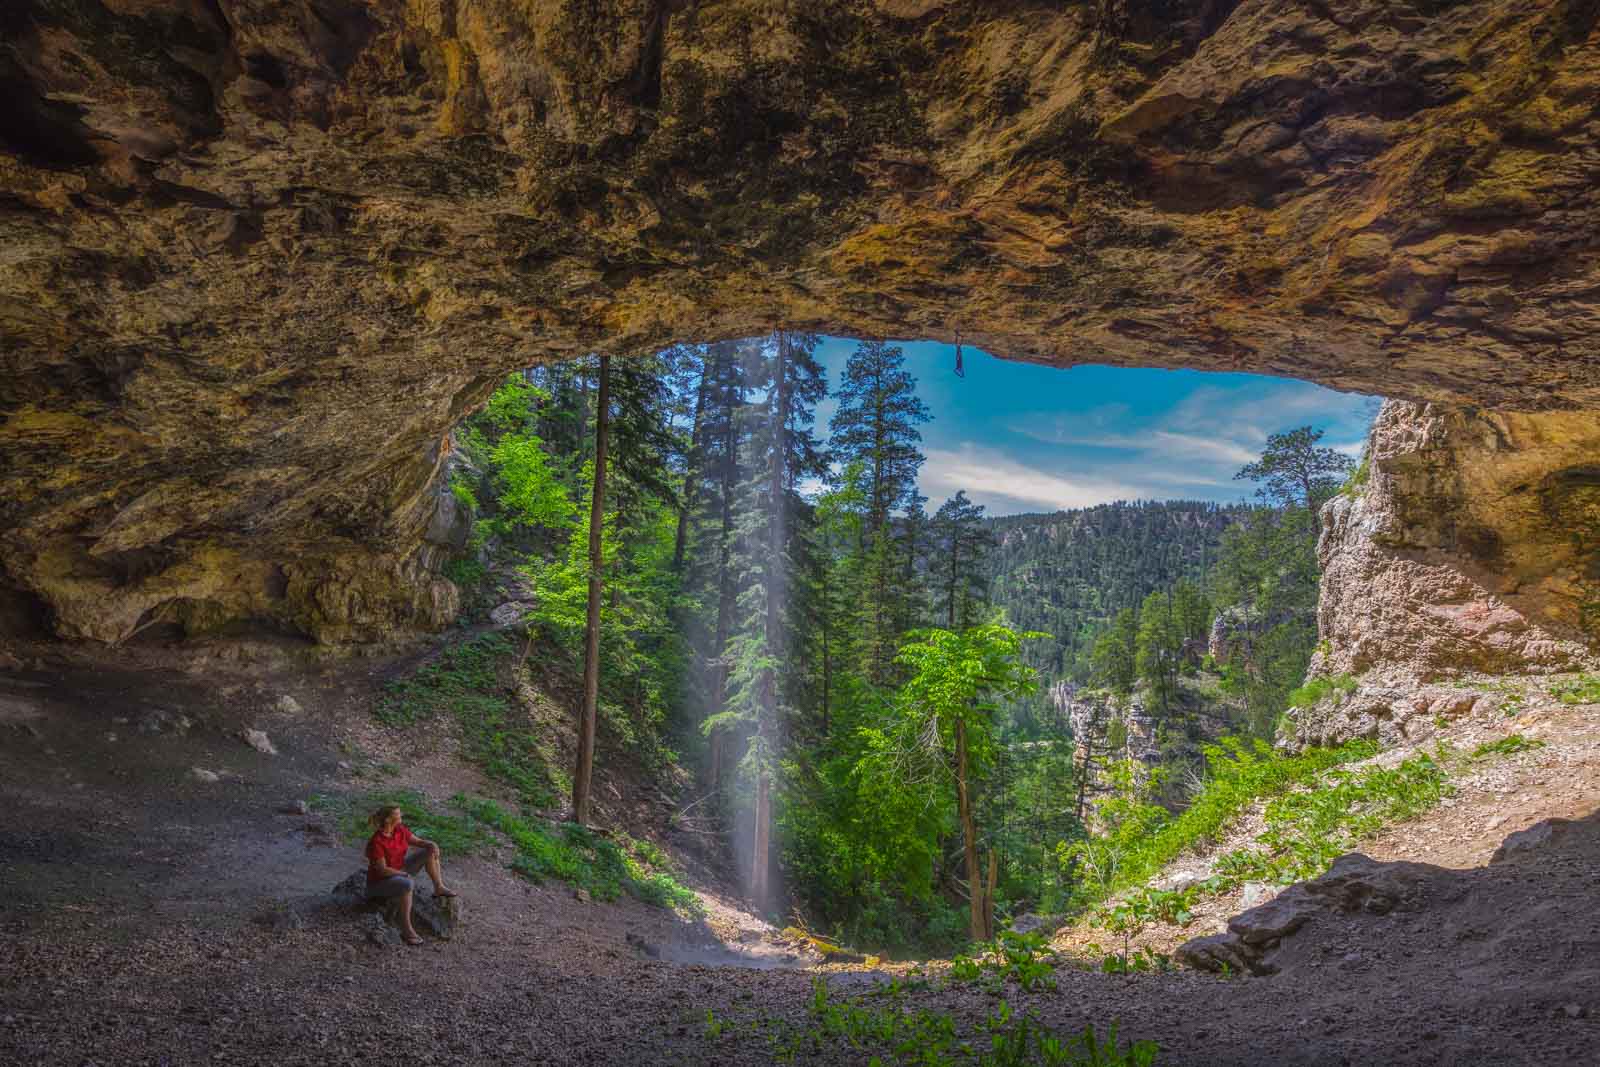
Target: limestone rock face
<point x="258" y="257"/>
<point x="1474" y="546"/>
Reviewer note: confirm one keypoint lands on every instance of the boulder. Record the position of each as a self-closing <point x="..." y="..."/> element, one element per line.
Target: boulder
<point x="1218" y="954"/>
<point x="428" y="914"/>
<point x="508" y="614"/>
<point x="1355" y="883"/>
<point x="1028" y="923"/>
<point x="258" y="740"/>
<point x="1535" y="837"/>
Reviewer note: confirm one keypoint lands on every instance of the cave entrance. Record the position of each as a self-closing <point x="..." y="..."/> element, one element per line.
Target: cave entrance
<point x="785" y="514"/>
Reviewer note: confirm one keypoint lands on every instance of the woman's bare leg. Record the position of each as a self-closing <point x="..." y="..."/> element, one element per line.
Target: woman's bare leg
<point x="406" y="929"/>
<point x="433" y="871"/>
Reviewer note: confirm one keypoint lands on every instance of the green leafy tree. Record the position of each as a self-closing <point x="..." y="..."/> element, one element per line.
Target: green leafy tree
<point x="947" y="728"/>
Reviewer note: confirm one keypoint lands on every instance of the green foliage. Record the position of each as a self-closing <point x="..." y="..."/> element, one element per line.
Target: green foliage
<point x="582" y="857"/>
<point x="464" y="682"/>
<point x="456" y="835"/>
<point x="1316" y="689"/>
<point x="879" y="1029"/>
<point x="467" y="573"/>
<point x="531" y="492"/>
<point x="1356" y="484"/>
<point x="1509" y="745"/>
<point x="1141" y="838"/>
<point x="1584" y="689"/>
<point x="1026" y="959"/>
<point x="461" y="489"/>
<point x="1308" y="830"/>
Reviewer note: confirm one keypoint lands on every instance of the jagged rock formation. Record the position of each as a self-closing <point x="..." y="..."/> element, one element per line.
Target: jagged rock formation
<point x="259" y="257"/>
<point x="1473" y="547"/>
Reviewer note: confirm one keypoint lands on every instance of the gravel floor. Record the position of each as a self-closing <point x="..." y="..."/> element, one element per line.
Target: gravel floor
<point x="150" y="918"/>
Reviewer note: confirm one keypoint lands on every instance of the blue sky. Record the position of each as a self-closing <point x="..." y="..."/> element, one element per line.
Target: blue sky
<point x="1019" y="437"/>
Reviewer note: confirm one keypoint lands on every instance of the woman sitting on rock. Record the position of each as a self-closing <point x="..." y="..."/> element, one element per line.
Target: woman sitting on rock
<point x="389" y="867"/>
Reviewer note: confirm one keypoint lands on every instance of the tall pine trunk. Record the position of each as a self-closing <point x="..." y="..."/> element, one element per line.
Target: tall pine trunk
<point x="725" y="589"/>
<point x="760" y="853"/>
<point x="591" y="650"/>
<point x="691" y="477"/>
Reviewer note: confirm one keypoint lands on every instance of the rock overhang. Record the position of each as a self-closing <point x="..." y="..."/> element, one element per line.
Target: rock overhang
<point x="259" y="257"/>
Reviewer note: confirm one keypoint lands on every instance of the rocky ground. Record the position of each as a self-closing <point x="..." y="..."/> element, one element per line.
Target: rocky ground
<point x="1492" y="798"/>
<point x="150" y="917"/>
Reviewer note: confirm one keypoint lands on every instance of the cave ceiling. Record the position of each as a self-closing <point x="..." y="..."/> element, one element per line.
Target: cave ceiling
<point x="258" y="256"/>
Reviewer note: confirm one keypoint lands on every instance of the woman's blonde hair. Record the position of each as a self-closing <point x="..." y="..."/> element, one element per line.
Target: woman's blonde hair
<point x="381" y="816"/>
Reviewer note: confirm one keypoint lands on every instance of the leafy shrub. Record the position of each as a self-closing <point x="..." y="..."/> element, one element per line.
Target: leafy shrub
<point x="1307" y="831"/>
<point x="1506" y="746"/>
<point x="1026" y="959"/>
<point x="1317" y="688"/>
<point x="886" y="1030"/>
<point x="1143" y="838"/>
<point x="1357" y="482"/>
<point x="467" y="573"/>
<point x="1584" y="689"/>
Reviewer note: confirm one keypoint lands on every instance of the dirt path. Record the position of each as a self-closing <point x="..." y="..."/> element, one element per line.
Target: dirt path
<point x="149" y="917"/>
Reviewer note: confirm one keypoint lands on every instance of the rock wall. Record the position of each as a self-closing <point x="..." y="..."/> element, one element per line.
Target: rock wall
<point x="1472" y="548"/>
<point x="260" y="255"/>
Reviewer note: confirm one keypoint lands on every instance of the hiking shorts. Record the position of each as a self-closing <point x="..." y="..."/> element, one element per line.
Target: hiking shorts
<point x="398" y="885"/>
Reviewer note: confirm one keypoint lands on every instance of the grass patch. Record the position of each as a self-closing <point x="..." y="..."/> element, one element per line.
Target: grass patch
<point x="1584" y="689"/>
<point x="1506" y="746"/>
<point x="880" y="1029"/>
<point x="1317" y="688"/>
<point x="456" y="835"/>
<point x="579" y="856"/>
<point x="464" y="682"/>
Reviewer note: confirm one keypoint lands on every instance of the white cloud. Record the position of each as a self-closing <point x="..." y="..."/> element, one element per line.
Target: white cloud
<point x="1006" y="484"/>
<point x="1353" y="449"/>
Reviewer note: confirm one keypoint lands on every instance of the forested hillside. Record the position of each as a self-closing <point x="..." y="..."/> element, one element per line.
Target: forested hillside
<point x="1069" y="573"/>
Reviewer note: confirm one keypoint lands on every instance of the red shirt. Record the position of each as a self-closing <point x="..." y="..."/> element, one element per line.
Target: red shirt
<point x="389" y="850"/>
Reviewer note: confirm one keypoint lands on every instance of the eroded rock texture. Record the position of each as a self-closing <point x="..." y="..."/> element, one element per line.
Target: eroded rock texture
<point x="259" y="255"/>
<point x="1472" y="548"/>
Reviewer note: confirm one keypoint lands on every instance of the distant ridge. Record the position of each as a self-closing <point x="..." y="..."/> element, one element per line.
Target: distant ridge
<point x="1069" y="572"/>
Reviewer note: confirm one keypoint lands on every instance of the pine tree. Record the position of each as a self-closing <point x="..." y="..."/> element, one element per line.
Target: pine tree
<point x="781" y="452"/>
<point x="962" y="538"/>
<point x="876" y="424"/>
<point x="711" y="579"/>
